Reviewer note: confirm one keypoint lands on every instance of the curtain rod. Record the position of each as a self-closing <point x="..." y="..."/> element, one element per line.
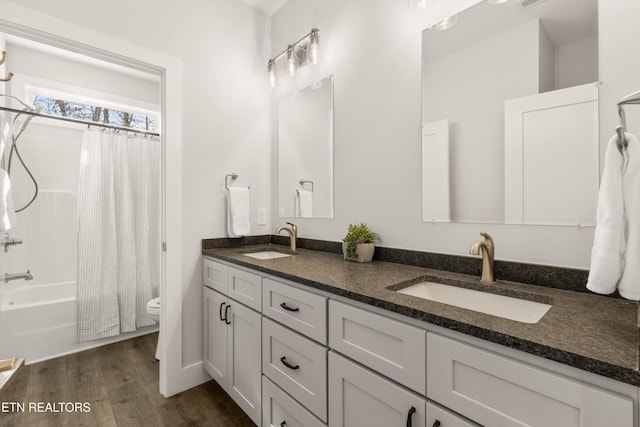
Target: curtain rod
<point x="82" y="122"/>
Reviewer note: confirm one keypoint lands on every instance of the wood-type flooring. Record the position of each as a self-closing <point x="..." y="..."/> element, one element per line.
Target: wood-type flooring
<point x="119" y="383"/>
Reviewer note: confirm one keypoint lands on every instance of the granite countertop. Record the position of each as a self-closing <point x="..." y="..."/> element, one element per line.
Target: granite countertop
<point x="591" y="332"/>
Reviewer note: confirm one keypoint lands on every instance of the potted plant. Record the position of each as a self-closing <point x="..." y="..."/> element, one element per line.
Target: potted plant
<point x="358" y="244"/>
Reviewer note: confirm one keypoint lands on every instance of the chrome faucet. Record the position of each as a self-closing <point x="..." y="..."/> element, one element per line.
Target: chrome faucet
<point x="487" y="249"/>
<point x="293" y="234"/>
<point x="26" y="276"/>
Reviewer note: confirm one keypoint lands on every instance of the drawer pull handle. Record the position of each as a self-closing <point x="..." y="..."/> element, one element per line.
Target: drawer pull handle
<point x="436" y="424"/>
<point x="226" y="315"/>
<point x="409" y="416"/>
<point x="286" y="307"/>
<point x="284" y="361"/>
<point x="221" y="306"/>
<point x="283" y="424"/>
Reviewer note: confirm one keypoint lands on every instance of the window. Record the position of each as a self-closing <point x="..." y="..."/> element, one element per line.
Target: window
<point x="94" y="113"/>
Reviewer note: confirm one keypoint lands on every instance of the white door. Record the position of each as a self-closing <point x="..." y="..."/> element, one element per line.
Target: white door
<point x="214" y="344"/>
<point x="359" y="397"/>
<point x="552" y="157"/>
<point x="245" y="359"/>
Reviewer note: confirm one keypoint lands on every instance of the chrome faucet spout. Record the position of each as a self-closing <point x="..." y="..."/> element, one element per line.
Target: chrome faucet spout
<point x="293" y="235"/>
<point x="26" y="276"/>
<point x="485" y="248"/>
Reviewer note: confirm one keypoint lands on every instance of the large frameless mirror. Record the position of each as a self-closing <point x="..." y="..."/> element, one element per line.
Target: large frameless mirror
<point x="305" y="152"/>
<point x="510" y="115"/>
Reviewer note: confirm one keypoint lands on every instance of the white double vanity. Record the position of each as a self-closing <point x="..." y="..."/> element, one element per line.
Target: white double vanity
<point x="294" y="355"/>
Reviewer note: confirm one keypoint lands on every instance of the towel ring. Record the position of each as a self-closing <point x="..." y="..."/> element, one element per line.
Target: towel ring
<point x="226" y="179"/>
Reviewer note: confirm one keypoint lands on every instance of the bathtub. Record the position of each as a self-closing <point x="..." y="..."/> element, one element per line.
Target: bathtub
<point x="38" y="322"/>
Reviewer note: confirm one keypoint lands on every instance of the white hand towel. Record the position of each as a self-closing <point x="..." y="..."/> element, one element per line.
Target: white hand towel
<point x="238" y="223"/>
<point x="608" y="243"/>
<point x="305" y="198"/>
<point x="7" y="211"/>
<point x="629" y="286"/>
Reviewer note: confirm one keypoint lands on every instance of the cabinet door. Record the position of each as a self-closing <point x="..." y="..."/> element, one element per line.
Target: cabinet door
<point x="392" y="348"/>
<point x="296" y="364"/>
<point x="243" y="344"/>
<point x="494" y="390"/>
<point x="214" y="344"/>
<point x="245" y="287"/>
<point x="298" y="309"/>
<point x="359" y="397"/>
<point x="280" y="410"/>
<point x="214" y="275"/>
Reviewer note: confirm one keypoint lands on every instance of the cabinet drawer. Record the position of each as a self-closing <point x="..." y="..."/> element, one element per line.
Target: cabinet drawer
<point x="392" y="348"/>
<point x="300" y="310"/>
<point x="495" y="390"/>
<point x="297" y="364"/>
<point x="439" y="416"/>
<point x="360" y="397"/>
<point x="245" y="287"/>
<point x="214" y="275"/>
<point x="279" y="409"/>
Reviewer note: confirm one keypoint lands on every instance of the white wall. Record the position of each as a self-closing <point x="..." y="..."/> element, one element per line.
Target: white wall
<point x="576" y="63"/>
<point x="223" y="46"/>
<point x="373" y="48"/>
<point x="619" y="65"/>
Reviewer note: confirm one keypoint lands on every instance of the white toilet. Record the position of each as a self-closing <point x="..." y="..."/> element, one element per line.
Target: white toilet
<point x="153" y="309"/>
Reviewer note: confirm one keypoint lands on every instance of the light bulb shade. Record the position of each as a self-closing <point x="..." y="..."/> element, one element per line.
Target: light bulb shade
<point x="271" y="70"/>
<point x="420" y="5"/>
<point x="292" y="61"/>
<point x="314" y="46"/>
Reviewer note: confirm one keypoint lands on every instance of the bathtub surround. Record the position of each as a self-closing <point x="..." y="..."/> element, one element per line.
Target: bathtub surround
<point x="119" y="233"/>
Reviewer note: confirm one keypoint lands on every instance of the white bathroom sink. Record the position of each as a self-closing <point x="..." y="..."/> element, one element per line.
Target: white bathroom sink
<point x="521" y="310"/>
<point x="267" y="255"/>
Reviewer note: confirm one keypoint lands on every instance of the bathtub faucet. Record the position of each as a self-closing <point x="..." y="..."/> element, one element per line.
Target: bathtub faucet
<point x="26" y="276"/>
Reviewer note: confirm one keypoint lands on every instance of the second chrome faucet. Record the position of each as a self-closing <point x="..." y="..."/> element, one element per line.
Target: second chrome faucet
<point x="293" y="234"/>
<point x="486" y="249"/>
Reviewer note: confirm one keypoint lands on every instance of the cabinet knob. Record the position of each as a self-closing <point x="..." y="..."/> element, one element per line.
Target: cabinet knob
<point x="283" y="424"/>
<point x="436" y="423"/>
<point x="284" y="361"/>
<point x="286" y="307"/>
<point x="410" y="416"/>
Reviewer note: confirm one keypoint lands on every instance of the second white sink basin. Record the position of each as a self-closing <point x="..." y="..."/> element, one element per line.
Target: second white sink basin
<point x="521" y="310"/>
<point x="267" y="255"/>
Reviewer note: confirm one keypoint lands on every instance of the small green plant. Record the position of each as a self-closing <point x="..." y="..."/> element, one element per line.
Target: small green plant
<point x="358" y="234"/>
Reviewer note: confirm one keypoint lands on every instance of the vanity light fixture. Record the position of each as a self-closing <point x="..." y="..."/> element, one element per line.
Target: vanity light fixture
<point x="292" y="61"/>
<point x="497" y="1"/>
<point x="304" y="51"/>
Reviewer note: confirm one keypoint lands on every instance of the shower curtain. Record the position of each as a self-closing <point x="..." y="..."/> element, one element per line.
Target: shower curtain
<point x="118" y="233"/>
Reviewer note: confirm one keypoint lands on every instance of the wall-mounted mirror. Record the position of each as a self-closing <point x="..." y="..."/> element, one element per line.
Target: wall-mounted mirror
<point x="305" y="152"/>
<point x="510" y="115"/>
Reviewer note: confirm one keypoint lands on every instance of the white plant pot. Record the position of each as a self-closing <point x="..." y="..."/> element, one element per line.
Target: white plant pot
<point x="364" y="252"/>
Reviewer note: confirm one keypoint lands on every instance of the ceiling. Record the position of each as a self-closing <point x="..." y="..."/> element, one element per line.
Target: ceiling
<point x="267" y="6"/>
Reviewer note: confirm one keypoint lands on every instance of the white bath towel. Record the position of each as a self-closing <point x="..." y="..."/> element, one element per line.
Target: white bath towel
<point x="609" y="242"/>
<point x="629" y="286"/>
<point x="305" y="203"/>
<point x="238" y="223"/>
<point x="7" y="211"/>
